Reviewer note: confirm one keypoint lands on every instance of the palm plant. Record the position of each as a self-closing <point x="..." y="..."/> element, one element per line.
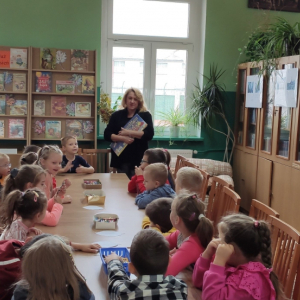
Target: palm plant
<point x="208" y="103"/>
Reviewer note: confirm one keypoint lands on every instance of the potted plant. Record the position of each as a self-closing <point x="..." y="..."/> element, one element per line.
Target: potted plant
<point x="208" y="104"/>
<point x="174" y="118"/>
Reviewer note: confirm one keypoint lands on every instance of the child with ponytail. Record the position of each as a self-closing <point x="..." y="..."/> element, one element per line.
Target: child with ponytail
<point x="30" y="176"/>
<point x="194" y="232"/>
<point x="29" y="207"/>
<point x="242" y="267"/>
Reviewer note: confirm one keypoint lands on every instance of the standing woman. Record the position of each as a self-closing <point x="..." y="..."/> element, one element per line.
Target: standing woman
<point x="137" y="141"/>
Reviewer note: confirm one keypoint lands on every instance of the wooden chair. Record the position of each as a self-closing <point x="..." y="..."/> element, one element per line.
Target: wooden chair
<point x="179" y="164"/>
<point x="261" y="211"/>
<point x="98" y="159"/>
<point x="79" y="152"/>
<point x="215" y="198"/>
<point x="205" y="175"/>
<point x="286" y="256"/>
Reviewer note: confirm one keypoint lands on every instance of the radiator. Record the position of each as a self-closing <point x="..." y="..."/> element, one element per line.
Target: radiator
<point x="188" y="153"/>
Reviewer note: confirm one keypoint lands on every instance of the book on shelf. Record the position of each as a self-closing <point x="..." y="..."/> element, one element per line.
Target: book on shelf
<point x="19" y="82"/>
<point x="82" y="109"/>
<point x="1" y="82"/>
<point x="47" y="58"/>
<point x="5" y="59"/>
<point x="39" y="107"/>
<point x="43" y="82"/>
<point x="79" y="60"/>
<point x="39" y="126"/>
<point x="58" y="106"/>
<point x="74" y="127"/>
<point x="18" y="108"/>
<point x="88" y="84"/>
<point x="65" y="86"/>
<point x="18" y="58"/>
<point x="136" y="124"/>
<point x="53" y="129"/>
<point x="2" y="105"/>
<point x="2" y="129"/>
<point x="16" y="128"/>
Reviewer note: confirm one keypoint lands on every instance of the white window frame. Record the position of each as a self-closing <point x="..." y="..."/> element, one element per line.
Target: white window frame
<point x="194" y="44"/>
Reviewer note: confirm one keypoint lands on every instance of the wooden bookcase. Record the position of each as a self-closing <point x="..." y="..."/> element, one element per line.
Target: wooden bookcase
<point x="271" y="173"/>
<point x="60" y="72"/>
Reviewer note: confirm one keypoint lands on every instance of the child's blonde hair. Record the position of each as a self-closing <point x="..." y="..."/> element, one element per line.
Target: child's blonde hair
<point x="65" y="139"/>
<point x="3" y="155"/>
<point x="49" y="272"/>
<point x="189" y="179"/>
<point x="158" y="172"/>
<point x="45" y="152"/>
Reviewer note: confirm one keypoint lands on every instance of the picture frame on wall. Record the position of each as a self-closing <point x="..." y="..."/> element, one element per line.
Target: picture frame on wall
<point x="287" y="5"/>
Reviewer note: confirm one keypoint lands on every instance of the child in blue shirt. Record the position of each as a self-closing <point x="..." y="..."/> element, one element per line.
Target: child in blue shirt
<point x="71" y="162"/>
<point x="155" y="177"/>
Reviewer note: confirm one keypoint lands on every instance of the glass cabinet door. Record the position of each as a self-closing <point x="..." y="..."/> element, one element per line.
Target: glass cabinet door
<point x="241" y="106"/>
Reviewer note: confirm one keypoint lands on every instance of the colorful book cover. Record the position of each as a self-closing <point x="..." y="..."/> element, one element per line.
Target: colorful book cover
<point x="58" y="106"/>
<point x="74" y="127"/>
<point x="82" y="109"/>
<point x="88" y="84"/>
<point x="71" y="109"/>
<point x="5" y="59"/>
<point x="39" y="107"/>
<point x="65" y="86"/>
<point x="1" y="82"/>
<point x="16" y="128"/>
<point x="79" y="60"/>
<point x="18" y="108"/>
<point x="47" y="58"/>
<point x="39" y="127"/>
<point x="53" y="129"/>
<point x="2" y="104"/>
<point x="43" y="82"/>
<point x="136" y="124"/>
<point x="2" y="128"/>
<point x="19" y="82"/>
<point x="18" y="58"/>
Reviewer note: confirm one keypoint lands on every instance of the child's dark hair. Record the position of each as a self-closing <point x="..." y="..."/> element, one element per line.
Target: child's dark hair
<point x="191" y="210"/>
<point x="18" y="178"/>
<point x="158" y="212"/>
<point x="149" y="253"/>
<point x="253" y="238"/>
<point x="28" y="158"/>
<point x="26" y="205"/>
<point x="31" y="148"/>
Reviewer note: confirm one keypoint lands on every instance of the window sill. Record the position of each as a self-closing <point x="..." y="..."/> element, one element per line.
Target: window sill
<point x="165" y="138"/>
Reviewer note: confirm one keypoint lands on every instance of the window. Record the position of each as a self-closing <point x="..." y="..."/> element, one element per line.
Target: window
<point x="153" y="45"/>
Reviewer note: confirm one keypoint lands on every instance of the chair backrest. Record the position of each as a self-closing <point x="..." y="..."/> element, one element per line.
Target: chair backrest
<point x="286" y="256"/>
<point x="205" y="175"/>
<point x="98" y="159"/>
<point x="261" y="211"/>
<point x="179" y="164"/>
<point x="215" y="198"/>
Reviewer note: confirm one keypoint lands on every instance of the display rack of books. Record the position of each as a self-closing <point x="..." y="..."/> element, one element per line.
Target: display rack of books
<point x="63" y="96"/>
<point x="14" y="96"/>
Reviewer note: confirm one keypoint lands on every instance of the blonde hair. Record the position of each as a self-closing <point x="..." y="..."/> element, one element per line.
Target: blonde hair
<point x="189" y="179"/>
<point x="3" y="155"/>
<point x="45" y="152"/>
<point x="142" y="105"/>
<point x="65" y="139"/>
<point x="49" y="272"/>
<point x="158" y="172"/>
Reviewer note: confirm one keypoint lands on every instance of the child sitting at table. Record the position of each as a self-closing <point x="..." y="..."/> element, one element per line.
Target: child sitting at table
<point x="49" y="272"/>
<point x="155" y="177"/>
<point x="158" y="216"/>
<point x="194" y="232"/>
<point x="73" y="163"/>
<point x="149" y="255"/>
<point x="28" y="158"/>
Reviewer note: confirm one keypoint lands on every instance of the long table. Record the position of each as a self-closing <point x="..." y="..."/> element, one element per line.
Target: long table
<point x="76" y="224"/>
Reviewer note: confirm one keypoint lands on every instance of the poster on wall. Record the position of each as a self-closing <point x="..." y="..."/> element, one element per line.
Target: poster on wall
<point x="254" y="91"/>
<point x="286" y="87"/>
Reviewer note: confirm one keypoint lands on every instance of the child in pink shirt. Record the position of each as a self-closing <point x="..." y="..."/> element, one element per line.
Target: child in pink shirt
<point x="193" y="234"/>
<point x="241" y="268"/>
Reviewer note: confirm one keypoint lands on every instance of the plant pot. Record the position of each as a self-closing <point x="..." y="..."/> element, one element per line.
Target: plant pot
<point x="174" y="131"/>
